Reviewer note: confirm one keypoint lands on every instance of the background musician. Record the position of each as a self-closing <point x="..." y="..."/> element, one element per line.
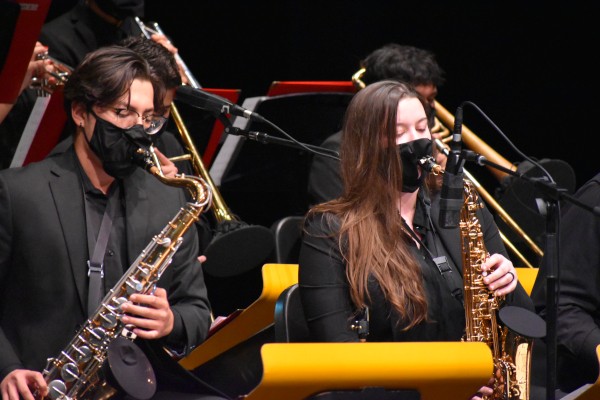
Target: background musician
<point x="47" y="210"/>
<point x="37" y="68"/>
<point x="163" y="65"/>
<point x="409" y="64"/>
<point x="379" y="246"/>
<point x="88" y="25"/>
<point x="578" y="291"/>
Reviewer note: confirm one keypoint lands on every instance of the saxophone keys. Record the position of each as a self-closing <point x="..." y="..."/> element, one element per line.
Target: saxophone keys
<point x="57" y="390"/>
<point x="134" y="286"/>
<point x="84" y="354"/>
<point x="119" y="301"/>
<point x="109" y="321"/>
<point x="97" y="337"/>
<point x="69" y="372"/>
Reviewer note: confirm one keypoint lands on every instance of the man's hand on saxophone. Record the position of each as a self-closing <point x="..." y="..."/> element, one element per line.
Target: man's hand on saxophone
<point x="151" y="314"/>
<point x="18" y="383"/>
<point x="500" y="275"/>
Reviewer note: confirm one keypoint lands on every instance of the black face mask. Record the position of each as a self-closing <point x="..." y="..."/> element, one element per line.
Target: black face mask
<point x="117" y="147"/>
<point x="410" y="154"/>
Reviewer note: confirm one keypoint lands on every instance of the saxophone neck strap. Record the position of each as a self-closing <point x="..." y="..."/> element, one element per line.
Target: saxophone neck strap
<point x="97" y="248"/>
<point x="452" y="278"/>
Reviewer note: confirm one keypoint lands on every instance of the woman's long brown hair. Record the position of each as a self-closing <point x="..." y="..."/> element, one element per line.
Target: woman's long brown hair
<point x="371" y="237"/>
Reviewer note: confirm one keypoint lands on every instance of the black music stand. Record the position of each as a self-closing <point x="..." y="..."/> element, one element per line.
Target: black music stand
<point x="265" y="182"/>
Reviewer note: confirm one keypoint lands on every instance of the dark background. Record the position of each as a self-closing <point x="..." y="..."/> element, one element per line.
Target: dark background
<point x="527" y="65"/>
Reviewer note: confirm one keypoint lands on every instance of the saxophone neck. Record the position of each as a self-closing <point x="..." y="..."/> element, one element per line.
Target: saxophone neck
<point x="196" y="186"/>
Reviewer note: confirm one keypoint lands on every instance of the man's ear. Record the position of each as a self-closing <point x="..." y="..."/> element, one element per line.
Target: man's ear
<point x="78" y="113"/>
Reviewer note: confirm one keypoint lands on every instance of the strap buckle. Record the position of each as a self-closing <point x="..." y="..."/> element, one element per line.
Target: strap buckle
<point x="442" y="264"/>
<point x="95" y="268"/>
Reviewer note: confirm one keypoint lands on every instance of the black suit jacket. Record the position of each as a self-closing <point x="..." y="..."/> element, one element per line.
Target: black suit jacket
<point x="75" y="33"/>
<point x="43" y="254"/>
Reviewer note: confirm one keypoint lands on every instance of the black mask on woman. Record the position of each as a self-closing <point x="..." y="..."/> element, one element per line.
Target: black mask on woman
<point x="410" y="154"/>
<point x="116" y="147"/>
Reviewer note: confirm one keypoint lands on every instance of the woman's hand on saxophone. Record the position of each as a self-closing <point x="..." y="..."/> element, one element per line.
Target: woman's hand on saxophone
<point x="150" y="314"/>
<point x="20" y="384"/>
<point x="499" y="274"/>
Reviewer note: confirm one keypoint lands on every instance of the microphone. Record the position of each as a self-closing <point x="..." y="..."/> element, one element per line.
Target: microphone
<point x="211" y="102"/>
<point x="451" y="197"/>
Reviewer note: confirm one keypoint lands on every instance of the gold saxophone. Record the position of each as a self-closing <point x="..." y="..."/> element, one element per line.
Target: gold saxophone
<point x="76" y="373"/>
<point x="511" y="352"/>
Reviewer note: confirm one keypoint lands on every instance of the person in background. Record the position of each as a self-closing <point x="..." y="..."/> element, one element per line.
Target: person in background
<point x="409" y="64"/>
<point x="164" y="66"/>
<point x="37" y="69"/>
<point x="52" y="210"/>
<point x="378" y="246"/>
<point x="89" y="25"/>
<point x="578" y="292"/>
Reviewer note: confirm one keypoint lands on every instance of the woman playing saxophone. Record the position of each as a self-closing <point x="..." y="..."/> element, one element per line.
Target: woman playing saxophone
<point x="379" y="247"/>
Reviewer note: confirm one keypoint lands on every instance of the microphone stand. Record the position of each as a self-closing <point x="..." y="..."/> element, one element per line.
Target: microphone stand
<point x="551" y="194"/>
<point x="267" y="139"/>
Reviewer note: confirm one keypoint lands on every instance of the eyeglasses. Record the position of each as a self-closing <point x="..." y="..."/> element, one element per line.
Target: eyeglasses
<point x="128" y="118"/>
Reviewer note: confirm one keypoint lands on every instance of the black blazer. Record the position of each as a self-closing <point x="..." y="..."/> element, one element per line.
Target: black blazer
<point x="43" y="254"/>
<point x="72" y="35"/>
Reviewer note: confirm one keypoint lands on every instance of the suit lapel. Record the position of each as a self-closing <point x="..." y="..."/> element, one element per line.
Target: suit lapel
<point x="67" y="193"/>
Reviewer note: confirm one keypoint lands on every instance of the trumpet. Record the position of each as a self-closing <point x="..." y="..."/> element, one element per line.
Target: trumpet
<point x="236" y="246"/>
<point x="60" y="72"/>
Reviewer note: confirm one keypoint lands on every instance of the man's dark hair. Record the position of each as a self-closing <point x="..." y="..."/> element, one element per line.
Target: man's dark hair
<point x="162" y="62"/>
<point x="104" y="75"/>
<point x="162" y="65"/>
<point x="404" y="63"/>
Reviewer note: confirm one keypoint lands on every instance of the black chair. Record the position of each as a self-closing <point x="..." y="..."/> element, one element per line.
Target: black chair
<point x="288" y="235"/>
<point x="289" y="322"/>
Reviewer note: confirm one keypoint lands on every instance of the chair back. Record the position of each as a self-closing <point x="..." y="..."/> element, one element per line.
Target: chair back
<point x="289" y="322"/>
<point x="288" y="234"/>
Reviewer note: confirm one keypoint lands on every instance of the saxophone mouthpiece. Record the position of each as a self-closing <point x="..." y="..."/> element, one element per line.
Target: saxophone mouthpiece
<point x="429" y="165"/>
<point x="146" y="160"/>
<point x="143" y="158"/>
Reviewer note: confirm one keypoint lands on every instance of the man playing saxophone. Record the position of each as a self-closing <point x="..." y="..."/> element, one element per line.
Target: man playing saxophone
<point x="59" y="215"/>
<point x="379" y="246"/>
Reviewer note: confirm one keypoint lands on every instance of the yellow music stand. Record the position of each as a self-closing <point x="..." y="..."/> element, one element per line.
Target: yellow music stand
<point x="527" y="277"/>
<point x="253" y="319"/>
<point x="448" y="370"/>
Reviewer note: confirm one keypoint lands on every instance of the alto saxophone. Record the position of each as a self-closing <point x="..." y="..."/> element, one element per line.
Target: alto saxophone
<point x="76" y="373"/>
<point x="511" y="352"/>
